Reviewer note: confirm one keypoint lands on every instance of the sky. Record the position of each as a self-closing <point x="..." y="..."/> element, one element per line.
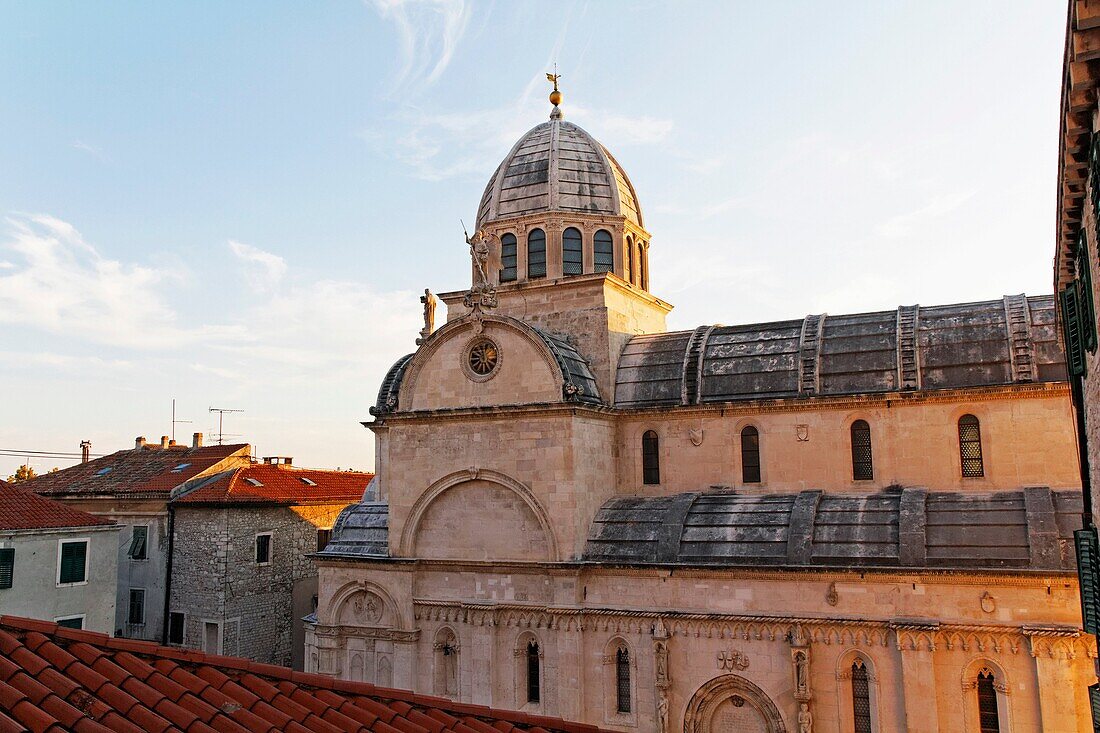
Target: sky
<point x="237" y="205"/>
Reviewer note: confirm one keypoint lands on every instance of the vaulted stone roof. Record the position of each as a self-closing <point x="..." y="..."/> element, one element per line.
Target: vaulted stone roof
<point x="360" y="530"/>
<point x="557" y="166"/>
<point x="1030" y="529"/>
<point x="997" y="342"/>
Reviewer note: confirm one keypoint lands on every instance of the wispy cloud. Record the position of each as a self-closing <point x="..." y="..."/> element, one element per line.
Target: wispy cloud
<point x="92" y="150"/>
<point x="263" y="271"/>
<point x="903" y="225"/>
<point x="61" y="284"/>
<point x="428" y="32"/>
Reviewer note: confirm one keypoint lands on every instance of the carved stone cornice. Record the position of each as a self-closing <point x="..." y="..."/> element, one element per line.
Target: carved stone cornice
<point x="365" y="632"/>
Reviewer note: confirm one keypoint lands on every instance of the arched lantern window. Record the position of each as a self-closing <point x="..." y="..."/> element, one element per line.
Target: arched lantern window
<point x="572" y="252"/>
<point x="536" y="254"/>
<point x="508" y="256"/>
<point x="750" y="455"/>
<point x="603" y="251"/>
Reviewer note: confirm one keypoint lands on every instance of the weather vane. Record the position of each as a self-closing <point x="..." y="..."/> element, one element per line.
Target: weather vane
<point x="555" y="96"/>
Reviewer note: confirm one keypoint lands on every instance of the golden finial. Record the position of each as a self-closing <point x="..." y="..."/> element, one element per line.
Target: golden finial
<point x="555" y="96"/>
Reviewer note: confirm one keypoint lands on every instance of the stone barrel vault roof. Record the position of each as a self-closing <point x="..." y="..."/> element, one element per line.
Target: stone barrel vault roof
<point x="360" y="530"/>
<point x="997" y="342"/>
<point x="1028" y="529"/>
<point x="56" y="680"/>
<point x="559" y="167"/>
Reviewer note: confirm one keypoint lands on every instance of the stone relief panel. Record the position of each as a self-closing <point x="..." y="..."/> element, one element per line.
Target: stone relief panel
<point x="362" y="608"/>
<point x="480" y="520"/>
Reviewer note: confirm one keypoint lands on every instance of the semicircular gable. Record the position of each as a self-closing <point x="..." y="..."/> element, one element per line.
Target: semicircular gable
<point x="531" y="367"/>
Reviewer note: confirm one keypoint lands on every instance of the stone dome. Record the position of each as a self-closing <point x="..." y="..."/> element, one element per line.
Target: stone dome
<point x="557" y="166"/>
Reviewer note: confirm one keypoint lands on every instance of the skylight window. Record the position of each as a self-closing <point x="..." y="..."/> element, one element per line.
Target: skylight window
<point x="306" y="481"/>
<point x="104" y="471"/>
<point x="254" y="482"/>
<point x="180" y="467"/>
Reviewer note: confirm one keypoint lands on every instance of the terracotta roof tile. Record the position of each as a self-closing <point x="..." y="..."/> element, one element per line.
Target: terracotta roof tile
<point x="67" y="680"/>
<point x="149" y="471"/>
<point x="265" y="483"/>
<point x="23" y="509"/>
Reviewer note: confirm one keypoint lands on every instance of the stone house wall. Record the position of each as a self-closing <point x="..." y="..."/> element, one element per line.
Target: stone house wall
<point x="216" y="580"/>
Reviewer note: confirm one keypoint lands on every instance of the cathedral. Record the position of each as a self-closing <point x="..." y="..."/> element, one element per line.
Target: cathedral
<point x="854" y="523"/>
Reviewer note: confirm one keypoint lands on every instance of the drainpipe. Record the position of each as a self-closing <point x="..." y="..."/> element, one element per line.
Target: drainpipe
<point x="168" y="577"/>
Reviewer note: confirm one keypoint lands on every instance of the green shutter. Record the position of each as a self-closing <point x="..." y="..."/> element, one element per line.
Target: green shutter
<point x="1084" y="277"/>
<point x="1088" y="574"/>
<point x="1094" y="703"/>
<point x="73" y="555"/>
<point x="1094" y="174"/>
<point x="7" y="566"/>
<point x="1071" y="330"/>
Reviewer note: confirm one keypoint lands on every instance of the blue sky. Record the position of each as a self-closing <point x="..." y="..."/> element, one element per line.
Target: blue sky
<point x="237" y="204"/>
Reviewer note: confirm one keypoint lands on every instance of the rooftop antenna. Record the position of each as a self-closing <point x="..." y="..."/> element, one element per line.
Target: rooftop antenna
<point x="174" y="420"/>
<point x="221" y="417"/>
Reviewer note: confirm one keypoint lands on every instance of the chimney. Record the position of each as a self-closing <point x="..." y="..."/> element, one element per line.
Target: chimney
<point x="139" y="442"/>
<point x="85" y="450"/>
<point x="164" y="441"/>
<point x="196" y="440"/>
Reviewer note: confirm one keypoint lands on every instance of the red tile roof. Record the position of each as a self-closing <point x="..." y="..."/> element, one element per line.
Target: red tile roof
<point x="149" y="471"/>
<point x="54" y="680"/>
<point x="278" y="484"/>
<point x="22" y="509"/>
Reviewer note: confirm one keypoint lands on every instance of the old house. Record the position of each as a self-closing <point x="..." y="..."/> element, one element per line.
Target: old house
<point x="56" y="563"/>
<point x="242" y="575"/>
<point x="132" y="488"/>
<point x="834" y="523"/>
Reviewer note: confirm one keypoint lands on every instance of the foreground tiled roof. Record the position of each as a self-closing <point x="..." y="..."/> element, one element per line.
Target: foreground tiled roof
<point x="265" y="483"/>
<point x="148" y="471"/>
<point x="54" y="680"/>
<point x="21" y="509"/>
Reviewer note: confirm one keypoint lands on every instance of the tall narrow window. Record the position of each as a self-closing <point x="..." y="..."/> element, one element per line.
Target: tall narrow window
<point x="7" y="567"/>
<point x="651" y="459"/>
<point x="323" y="536"/>
<point x="750" y="455"/>
<point x="139" y="542"/>
<point x="643" y="267"/>
<point x="263" y="549"/>
<point x="136" y="615"/>
<point x="622" y="681"/>
<point x="533" y="682"/>
<point x="988" y="718"/>
<point x="508" y="253"/>
<point x="970" y="447"/>
<point x="630" y="260"/>
<point x="603" y="251"/>
<point x="73" y="564"/>
<point x="861" y="698"/>
<point x="175" y="628"/>
<point x="536" y="253"/>
<point x="863" y="468"/>
<point x="572" y="252"/>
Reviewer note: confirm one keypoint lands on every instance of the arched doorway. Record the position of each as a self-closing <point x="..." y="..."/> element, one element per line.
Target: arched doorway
<point x="732" y="704"/>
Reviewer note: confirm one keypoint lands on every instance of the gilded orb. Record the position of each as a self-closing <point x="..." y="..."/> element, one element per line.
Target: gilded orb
<point x="555" y="97"/>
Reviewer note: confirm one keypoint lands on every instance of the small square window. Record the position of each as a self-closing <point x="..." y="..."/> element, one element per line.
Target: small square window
<point x="7" y="566"/>
<point x="71" y="622"/>
<point x="73" y="563"/>
<point x="263" y="549"/>
<point x="104" y="471"/>
<point x="139" y="542"/>
<point x="307" y="481"/>
<point x="323" y="536"/>
<point x="180" y="467"/>
<point x="175" y="628"/>
<point x="254" y="481"/>
<point x="136" y="615"/>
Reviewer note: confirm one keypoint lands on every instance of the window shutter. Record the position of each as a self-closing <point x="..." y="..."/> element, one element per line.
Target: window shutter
<point x="1087" y="308"/>
<point x="1094" y="703"/>
<point x="1071" y="331"/>
<point x="1088" y="567"/>
<point x="72" y="561"/>
<point x="7" y="567"/>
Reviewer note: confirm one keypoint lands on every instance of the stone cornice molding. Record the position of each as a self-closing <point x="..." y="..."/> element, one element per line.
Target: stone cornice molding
<point x="909" y="635"/>
<point x="990" y="577"/>
<point x="1041" y="390"/>
<point x="365" y="632"/>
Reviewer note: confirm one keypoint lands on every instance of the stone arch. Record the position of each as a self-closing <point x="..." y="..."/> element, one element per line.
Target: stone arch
<point x="454" y="329"/>
<point x="844" y="688"/>
<point x="445" y="662"/>
<point x="520" y="652"/>
<point x="610" y="665"/>
<point x="970" y="673"/>
<point x="384" y="613"/>
<point x="711" y="698"/>
<point x="484" y="476"/>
